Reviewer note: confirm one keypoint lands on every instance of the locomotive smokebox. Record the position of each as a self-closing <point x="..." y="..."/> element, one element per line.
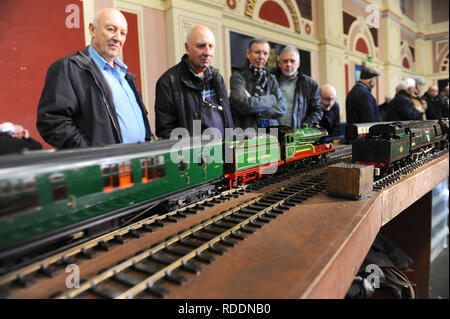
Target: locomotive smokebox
<point x="354" y="181"/>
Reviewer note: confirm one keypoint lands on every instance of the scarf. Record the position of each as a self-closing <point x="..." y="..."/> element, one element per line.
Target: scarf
<point x="261" y="83"/>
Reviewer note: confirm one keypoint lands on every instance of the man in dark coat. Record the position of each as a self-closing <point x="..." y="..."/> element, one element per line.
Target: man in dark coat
<point x="255" y="96"/>
<point x="331" y="120"/>
<point x="361" y="106"/>
<point x="401" y="107"/>
<point x="15" y="139"/>
<point x="193" y="90"/>
<point x="435" y="104"/>
<point x="300" y="91"/>
<point x="89" y="99"/>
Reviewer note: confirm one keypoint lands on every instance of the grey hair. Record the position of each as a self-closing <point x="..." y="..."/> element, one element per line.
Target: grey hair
<point x="256" y="40"/>
<point x="290" y="48"/>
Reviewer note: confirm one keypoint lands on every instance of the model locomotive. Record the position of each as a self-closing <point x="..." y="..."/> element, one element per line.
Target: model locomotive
<point x="389" y="145"/>
<point x="50" y="197"/>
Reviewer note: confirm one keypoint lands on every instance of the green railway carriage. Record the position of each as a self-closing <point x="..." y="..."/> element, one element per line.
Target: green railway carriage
<point x="56" y="195"/>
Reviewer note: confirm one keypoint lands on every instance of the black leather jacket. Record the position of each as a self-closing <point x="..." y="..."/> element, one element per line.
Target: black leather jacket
<point x="178" y="100"/>
<point x="76" y="108"/>
<point x="307" y="106"/>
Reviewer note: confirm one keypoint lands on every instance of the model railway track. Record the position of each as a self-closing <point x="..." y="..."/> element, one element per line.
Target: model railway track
<point x="103" y="243"/>
<point x="50" y="266"/>
<point x="146" y="272"/>
<point x="395" y="176"/>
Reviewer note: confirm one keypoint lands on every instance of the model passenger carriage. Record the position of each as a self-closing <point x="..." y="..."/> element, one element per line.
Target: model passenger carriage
<point x="47" y="197"/>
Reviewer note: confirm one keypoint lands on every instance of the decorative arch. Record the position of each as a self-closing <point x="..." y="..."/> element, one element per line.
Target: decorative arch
<point x="273" y="12"/>
<point x="284" y="13"/>
<point x="360" y="39"/>
<point x="441" y="56"/>
<point x="406" y="56"/>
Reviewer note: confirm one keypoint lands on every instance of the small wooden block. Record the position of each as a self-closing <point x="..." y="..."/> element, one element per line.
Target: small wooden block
<point x="350" y="180"/>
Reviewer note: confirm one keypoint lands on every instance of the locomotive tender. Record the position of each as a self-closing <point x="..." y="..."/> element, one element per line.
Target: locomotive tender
<point x="47" y="198"/>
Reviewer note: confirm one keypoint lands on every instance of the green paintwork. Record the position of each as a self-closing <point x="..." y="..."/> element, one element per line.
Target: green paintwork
<point x="86" y="198"/>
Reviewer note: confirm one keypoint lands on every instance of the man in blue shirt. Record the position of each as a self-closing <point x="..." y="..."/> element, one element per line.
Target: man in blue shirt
<point x="361" y="106"/>
<point x="89" y="99"/>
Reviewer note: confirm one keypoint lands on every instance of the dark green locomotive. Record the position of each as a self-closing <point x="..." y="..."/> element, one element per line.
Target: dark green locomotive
<point x="389" y="144"/>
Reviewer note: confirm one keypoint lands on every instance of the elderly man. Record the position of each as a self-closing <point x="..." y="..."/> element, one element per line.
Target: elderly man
<point x="300" y="91"/>
<point x="89" y="98"/>
<point x="401" y="107"/>
<point x="193" y="90"/>
<point x="418" y="102"/>
<point x="331" y="119"/>
<point x="434" y="103"/>
<point x="14" y="139"/>
<point x="361" y="106"/>
<point x="256" y="98"/>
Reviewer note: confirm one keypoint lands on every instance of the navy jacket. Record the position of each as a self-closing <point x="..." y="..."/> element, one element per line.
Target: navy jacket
<point x="76" y="108"/>
<point x="402" y="109"/>
<point x="307" y="106"/>
<point x="331" y="120"/>
<point x="361" y="106"/>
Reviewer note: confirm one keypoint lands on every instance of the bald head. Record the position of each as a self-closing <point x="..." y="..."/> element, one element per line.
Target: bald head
<point x="433" y="90"/>
<point x="327" y="96"/>
<point x="200" y="48"/>
<point x="108" y="31"/>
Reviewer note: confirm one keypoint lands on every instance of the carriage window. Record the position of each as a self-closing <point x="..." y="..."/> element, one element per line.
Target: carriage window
<point x="59" y="187"/>
<point x="117" y="176"/>
<point x="152" y="168"/>
<point x="18" y="196"/>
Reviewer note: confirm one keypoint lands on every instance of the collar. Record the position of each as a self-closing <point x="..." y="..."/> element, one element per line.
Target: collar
<point x="101" y="62"/>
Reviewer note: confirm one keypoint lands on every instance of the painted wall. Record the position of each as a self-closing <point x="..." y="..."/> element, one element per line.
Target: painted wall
<point x="33" y="34"/>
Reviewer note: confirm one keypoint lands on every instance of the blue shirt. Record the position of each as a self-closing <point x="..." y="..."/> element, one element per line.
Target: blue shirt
<point x="127" y="108"/>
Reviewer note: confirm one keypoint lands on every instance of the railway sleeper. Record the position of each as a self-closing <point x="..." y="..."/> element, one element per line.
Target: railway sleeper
<point x="217" y="250"/>
<point x="232" y="220"/>
<point x="176" y="251"/>
<point x="48" y="270"/>
<point x="227" y="242"/>
<point x="256" y="224"/>
<point x="235" y="234"/>
<point x="263" y="219"/>
<point x="204" y="258"/>
<point x="190" y="243"/>
<point x="157" y="291"/>
<point x="174" y="278"/>
<point x="190" y="266"/>
<point x="150" y="270"/>
<point x="162" y="259"/>
<point x="203" y="237"/>
<point x="211" y="230"/>
<point x="246" y="230"/>
<point x="125" y="279"/>
<point x="105" y="292"/>
<point x="24" y="281"/>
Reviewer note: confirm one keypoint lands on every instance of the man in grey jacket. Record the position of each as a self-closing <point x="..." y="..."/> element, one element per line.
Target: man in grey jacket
<point x="300" y="91"/>
<point x="255" y="97"/>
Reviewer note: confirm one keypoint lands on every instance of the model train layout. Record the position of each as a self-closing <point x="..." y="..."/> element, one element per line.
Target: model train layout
<point x="49" y="198"/>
